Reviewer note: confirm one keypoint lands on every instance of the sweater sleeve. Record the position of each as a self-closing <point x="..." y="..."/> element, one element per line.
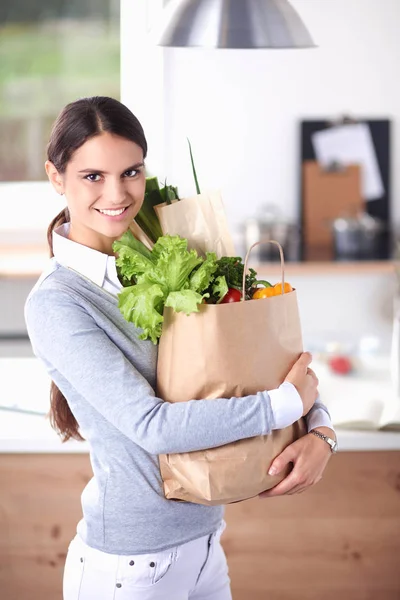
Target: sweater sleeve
<point x="69" y="342"/>
<point x="318" y="416"/>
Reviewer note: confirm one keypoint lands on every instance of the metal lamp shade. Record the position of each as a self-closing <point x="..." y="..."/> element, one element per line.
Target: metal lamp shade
<point x="233" y="24"/>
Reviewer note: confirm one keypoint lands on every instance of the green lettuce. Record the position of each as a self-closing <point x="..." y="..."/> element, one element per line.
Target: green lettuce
<point x="202" y="277"/>
<point x="168" y="275"/>
<point x="186" y="301"/>
<point x="142" y="304"/>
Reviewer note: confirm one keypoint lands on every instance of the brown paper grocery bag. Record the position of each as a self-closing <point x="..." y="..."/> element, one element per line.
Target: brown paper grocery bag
<point x="202" y="220"/>
<point x="228" y="350"/>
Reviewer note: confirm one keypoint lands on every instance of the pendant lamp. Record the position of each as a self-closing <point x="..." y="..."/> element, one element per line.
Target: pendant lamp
<point x="232" y="24"/>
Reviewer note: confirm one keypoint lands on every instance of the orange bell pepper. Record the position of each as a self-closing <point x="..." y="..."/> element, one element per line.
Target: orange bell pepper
<point x="266" y="292"/>
<point x="278" y="288"/>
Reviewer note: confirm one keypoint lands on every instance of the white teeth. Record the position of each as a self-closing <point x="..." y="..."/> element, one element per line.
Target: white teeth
<point x="112" y="213"/>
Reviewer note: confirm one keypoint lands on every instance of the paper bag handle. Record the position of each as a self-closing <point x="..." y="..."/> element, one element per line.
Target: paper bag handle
<point x="247" y="260"/>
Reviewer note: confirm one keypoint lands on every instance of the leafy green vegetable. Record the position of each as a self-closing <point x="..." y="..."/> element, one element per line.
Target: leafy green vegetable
<point x="129" y="240"/>
<point x="175" y="262"/>
<point x="220" y="288"/>
<point x="194" y="169"/>
<point x="132" y="263"/>
<point x="171" y="275"/>
<point x="168" y="275"/>
<point x="169" y="193"/>
<point x="202" y="277"/>
<point x="141" y="304"/>
<point x="186" y="301"/>
<point x="147" y="218"/>
<point x="231" y="267"/>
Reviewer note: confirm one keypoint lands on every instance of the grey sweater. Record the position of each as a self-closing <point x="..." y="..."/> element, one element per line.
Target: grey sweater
<point x="108" y="377"/>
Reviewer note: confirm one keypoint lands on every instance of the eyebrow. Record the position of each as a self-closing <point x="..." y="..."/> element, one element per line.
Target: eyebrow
<point x="132" y="168"/>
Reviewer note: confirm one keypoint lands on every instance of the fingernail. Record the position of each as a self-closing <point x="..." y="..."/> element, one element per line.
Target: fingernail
<point x="272" y="471"/>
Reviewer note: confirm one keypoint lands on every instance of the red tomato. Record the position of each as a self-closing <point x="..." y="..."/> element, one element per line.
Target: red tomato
<point x="340" y="364"/>
<point x="233" y="295"/>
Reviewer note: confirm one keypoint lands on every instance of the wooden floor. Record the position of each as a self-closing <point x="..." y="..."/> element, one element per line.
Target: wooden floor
<point x="339" y="541"/>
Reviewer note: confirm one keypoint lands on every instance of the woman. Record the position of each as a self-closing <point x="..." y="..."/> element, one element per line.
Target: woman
<point x="132" y="542"/>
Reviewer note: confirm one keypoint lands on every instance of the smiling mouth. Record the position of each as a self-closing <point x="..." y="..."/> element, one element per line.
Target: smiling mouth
<point x="112" y="212"/>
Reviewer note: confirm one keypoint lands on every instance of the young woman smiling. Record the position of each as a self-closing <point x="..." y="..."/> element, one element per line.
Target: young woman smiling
<point x="132" y="543"/>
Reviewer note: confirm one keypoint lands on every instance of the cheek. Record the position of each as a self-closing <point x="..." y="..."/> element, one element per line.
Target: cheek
<point x="137" y="188"/>
<point x="80" y="195"/>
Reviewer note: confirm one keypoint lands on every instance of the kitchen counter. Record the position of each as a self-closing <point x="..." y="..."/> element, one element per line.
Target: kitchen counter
<point x="21" y="433"/>
<point x="347" y="527"/>
<point x="27" y="390"/>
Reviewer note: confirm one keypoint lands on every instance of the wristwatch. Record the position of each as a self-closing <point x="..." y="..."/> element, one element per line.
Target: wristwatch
<point x="332" y="443"/>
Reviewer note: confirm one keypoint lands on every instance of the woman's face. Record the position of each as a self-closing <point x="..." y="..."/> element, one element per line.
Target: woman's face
<point x="105" y="174"/>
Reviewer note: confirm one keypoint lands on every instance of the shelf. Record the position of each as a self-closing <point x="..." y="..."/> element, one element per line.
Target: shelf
<point x="327" y="268"/>
<point x="29" y="261"/>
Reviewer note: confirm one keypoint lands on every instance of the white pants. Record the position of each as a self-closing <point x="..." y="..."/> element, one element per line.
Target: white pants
<point x="197" y="571"/>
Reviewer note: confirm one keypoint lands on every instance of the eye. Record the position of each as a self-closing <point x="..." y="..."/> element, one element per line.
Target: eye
<point x="131" y="173"/>
<point x="93" y="177"/>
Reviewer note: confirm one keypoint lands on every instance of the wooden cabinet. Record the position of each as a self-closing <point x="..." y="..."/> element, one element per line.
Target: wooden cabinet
<point x="338" y="541"/>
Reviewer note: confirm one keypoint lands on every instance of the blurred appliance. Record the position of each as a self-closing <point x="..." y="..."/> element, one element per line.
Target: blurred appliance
<point x="269" y="224"/>
<point x="358" y="238"/>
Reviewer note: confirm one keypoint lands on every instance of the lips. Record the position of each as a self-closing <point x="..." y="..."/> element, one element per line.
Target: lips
<point x="118" y="208"/>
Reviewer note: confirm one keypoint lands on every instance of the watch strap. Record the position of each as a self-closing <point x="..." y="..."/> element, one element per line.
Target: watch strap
<point x="331" y="443"/>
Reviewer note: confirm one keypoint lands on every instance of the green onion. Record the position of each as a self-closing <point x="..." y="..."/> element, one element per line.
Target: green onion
<point x="194" y="168"/>
<point x="147" y="218"/>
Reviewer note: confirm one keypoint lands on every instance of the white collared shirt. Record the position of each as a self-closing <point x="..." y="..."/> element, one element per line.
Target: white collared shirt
<point x="96" y="266"/>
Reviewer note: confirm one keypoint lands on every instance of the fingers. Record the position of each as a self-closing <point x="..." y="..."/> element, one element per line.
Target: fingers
<point x="313" y="375"/>
<point x="283" y="459"/>
<point x="294" y="483"/>
<point x="284" y="487"/>
<point x="304" y="360"/>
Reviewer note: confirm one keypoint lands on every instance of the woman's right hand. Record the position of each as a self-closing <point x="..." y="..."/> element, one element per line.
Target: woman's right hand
<point x="305" y="381"/>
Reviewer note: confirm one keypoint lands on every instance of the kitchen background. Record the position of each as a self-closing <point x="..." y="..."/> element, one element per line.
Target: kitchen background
<point x="241" y="110"/>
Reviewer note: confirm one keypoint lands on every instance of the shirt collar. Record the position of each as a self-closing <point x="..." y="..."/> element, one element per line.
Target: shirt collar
<point x="88" y="262"/>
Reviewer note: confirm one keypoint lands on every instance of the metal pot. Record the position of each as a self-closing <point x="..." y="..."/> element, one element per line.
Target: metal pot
<point x="269" y="225"/>
<point x="357" y="238"/>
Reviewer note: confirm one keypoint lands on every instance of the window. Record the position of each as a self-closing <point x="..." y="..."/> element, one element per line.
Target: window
<point x="51" y="52"/>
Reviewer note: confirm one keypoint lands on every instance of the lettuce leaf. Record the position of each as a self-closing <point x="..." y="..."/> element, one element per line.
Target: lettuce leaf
<point x="186" y="301"/>
<point x="128" y="239"/>
<point x="202" y="277"/>
<point x="131" y="263"/>
<point x="142" y="304"/>
<point x="175" y="261"/>
<point x="168" y="275"/>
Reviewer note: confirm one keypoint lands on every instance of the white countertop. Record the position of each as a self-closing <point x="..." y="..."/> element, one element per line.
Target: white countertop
<point x="25" y="383"/>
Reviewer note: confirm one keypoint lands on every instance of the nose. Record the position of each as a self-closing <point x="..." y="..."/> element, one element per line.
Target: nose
<point x="115" y="191"/>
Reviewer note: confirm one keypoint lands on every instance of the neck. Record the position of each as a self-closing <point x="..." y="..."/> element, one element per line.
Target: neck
<point x="92" y="239"/>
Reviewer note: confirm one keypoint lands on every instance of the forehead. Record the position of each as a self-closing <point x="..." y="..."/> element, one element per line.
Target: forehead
<point x="107" y="151"/>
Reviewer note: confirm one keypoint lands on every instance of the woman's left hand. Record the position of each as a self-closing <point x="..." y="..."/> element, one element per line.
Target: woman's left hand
<point x="309" y="455"/>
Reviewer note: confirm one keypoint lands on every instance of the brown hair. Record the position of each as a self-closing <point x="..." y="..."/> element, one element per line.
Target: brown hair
<point x="78" y="122"/>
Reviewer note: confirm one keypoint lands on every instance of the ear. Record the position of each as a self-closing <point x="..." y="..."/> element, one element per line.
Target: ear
<point x="54" y="177"/>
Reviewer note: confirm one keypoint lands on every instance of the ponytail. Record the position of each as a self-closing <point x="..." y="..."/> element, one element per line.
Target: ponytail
<point x="60" y="415"/>
<point x="60" y="219"/>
